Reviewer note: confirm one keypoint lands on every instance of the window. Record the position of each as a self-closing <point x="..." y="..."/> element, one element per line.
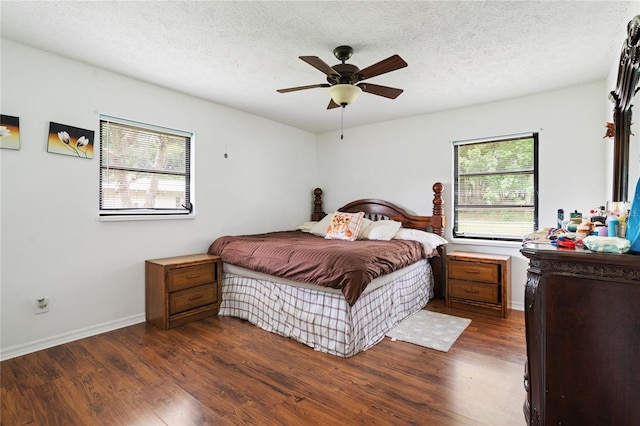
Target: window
<point x="144" y="169"/>
<point x="495" y="188"/>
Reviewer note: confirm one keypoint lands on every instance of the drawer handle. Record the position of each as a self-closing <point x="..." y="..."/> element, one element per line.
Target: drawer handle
<point x="472" y="271"/>
<point x="190" y="277"/>
<point x="468" y="290"/>
<point x="199" y="296"/>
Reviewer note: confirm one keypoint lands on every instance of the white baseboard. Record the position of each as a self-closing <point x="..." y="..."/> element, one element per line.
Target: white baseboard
<point x="50" y="342"/>
<point x="517" y="306"/>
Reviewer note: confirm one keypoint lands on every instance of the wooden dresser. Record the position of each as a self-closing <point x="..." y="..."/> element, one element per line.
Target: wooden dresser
<point x="582" y="316"/>
<point x="479" y="282"/>
<point x="182" y="289"/>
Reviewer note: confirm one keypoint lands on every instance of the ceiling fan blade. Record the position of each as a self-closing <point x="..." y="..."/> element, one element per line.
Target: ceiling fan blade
<point x="387" y="92"/>
<point x="332" y="105"/>
<point x="319" y="64"/>
<point x="293" y="89"/>
<point x="392" y="63"/>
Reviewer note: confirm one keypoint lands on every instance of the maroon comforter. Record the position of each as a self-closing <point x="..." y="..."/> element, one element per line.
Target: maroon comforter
<point x="346" y="265"/>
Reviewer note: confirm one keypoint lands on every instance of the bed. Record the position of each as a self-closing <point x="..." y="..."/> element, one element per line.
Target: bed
<point x="340" y="312"/>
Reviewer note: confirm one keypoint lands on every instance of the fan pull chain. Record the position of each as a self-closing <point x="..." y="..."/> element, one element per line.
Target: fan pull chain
<point x="342" y="123"/>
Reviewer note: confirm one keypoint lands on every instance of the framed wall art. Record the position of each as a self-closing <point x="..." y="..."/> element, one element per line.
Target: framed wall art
<point x="69" y="140"/>
<point x="9" y="132"/>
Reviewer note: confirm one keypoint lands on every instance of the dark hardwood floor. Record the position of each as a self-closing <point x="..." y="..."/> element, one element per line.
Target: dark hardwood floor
<point x="225" y="371"/>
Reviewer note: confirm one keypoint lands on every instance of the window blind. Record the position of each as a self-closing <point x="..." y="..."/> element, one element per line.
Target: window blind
<point x="144" y="169"/>
<point x="496" y="187"/>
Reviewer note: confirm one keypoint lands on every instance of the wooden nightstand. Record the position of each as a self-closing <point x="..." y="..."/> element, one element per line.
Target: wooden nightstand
<point x="182" y="289"/>
<point x="479" y="282"/>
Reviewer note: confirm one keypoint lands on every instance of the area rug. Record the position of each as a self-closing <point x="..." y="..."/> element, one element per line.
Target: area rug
<point x="430" y="329"/>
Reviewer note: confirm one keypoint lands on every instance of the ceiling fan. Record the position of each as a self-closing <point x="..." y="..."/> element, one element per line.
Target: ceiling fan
<point x="345" y="80"/>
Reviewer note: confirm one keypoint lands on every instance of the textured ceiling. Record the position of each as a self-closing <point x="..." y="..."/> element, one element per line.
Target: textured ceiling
<point x="238" y="53"/>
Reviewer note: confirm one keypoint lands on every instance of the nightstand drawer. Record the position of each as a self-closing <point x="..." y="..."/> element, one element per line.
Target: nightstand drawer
<point x="192" y="298"/>
<point x="474" y="291"/>
<point x="190" y="276"/>
<point x="484" y="272"/>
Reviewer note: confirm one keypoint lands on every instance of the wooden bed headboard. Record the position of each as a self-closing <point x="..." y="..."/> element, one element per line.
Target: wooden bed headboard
<point x="379" y="209"/>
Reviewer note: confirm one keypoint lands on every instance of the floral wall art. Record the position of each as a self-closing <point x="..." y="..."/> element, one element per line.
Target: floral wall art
<point x="69" y="140"/>
<point x="9" y="132"/>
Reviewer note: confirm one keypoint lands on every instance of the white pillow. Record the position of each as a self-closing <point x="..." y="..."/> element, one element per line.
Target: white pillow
<point x="380" y="230"/>
<point x="305" y="227"/>
<point x="365" y="223"/>
<point x="428" y="240"/>
<point x="320" y="228"/>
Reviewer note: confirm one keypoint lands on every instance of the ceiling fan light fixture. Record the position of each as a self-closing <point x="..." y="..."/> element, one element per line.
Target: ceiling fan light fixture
<point x="344" y="94"/>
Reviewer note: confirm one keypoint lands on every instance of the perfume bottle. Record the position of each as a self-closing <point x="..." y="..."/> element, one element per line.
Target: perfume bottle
<point x="560" y="218"/>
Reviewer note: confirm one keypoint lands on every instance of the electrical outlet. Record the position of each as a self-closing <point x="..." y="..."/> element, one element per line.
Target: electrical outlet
<point x="42" y="305"/>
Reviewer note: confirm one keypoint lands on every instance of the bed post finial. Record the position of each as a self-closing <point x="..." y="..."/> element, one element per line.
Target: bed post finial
<point x="318" y="214"/>
<point x="438" y="218"/>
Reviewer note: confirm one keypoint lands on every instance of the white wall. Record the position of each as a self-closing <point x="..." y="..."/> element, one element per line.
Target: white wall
<point x="400" y="160"/>
<point x="52" y="241"/>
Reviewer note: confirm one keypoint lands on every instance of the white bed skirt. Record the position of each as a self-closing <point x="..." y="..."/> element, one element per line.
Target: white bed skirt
<point x="321" y="318"/>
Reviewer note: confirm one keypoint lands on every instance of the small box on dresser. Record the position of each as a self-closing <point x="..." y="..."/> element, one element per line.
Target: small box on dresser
<point x="182" y="289"/>
<point x="479" y="282"/>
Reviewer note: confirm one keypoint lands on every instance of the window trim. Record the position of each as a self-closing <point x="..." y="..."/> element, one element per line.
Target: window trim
<point x="110" y="215"/>
<point x="479" y="238"/>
